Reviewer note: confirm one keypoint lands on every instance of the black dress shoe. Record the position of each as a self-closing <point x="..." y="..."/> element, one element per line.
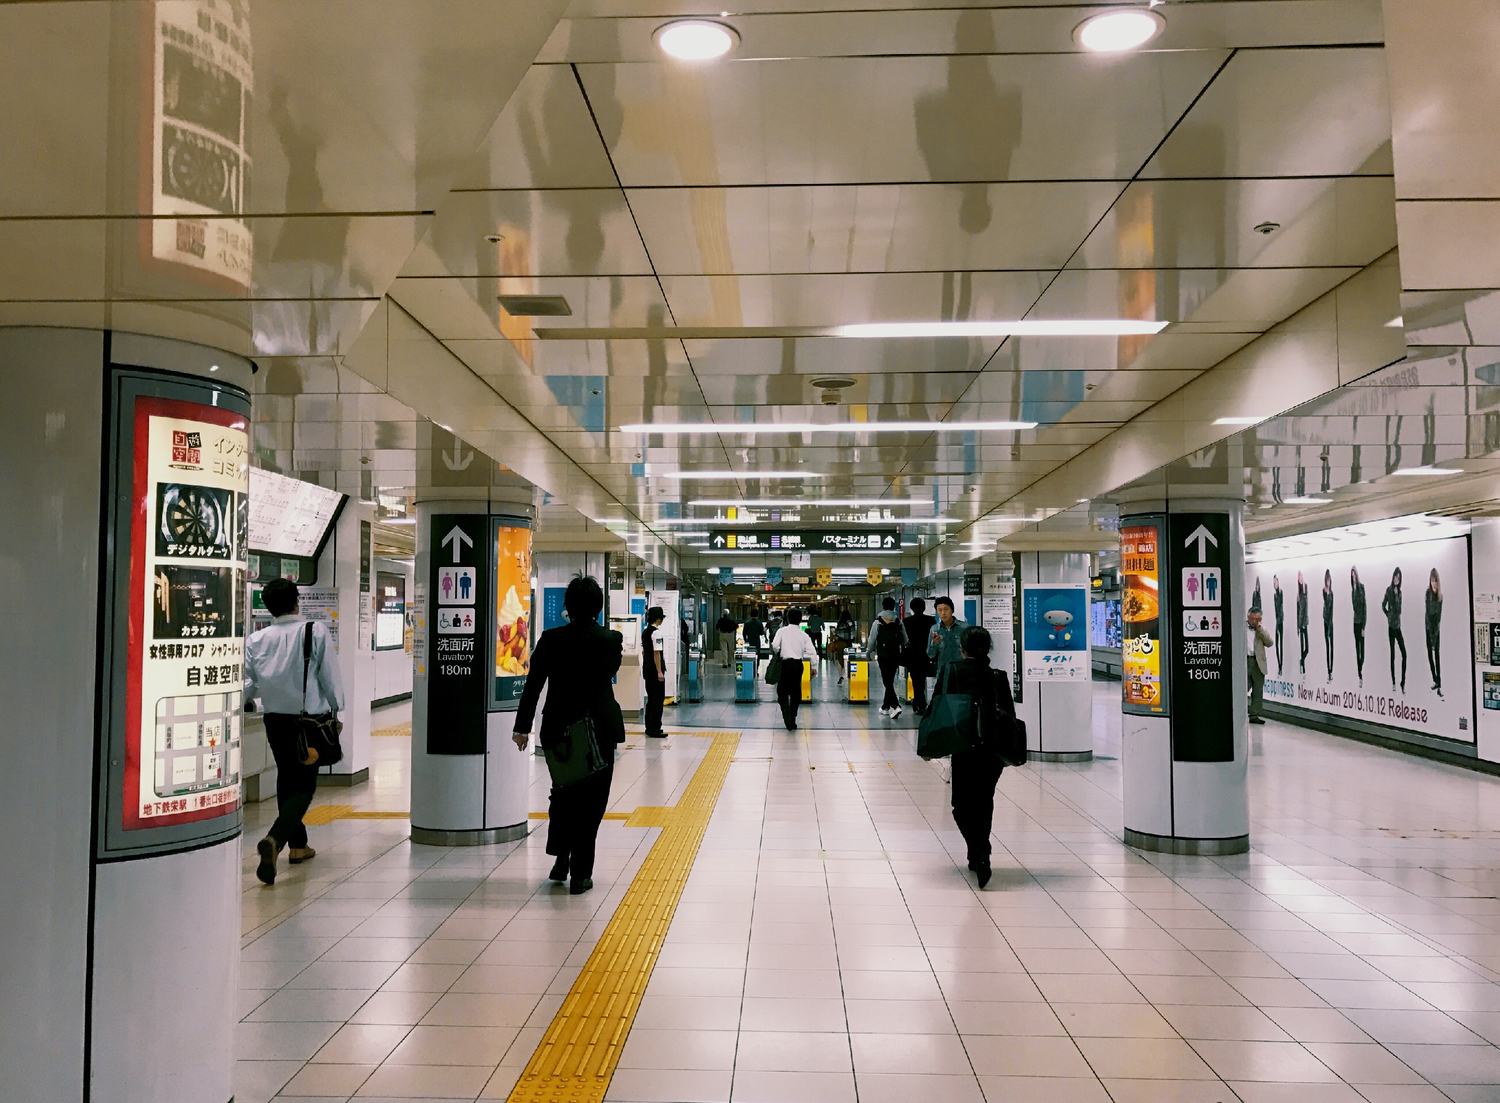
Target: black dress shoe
<point x="266" y="871"/>
<point x="559" y="870"/>
<point x="580" y="885"/>
<point x="983" y="874"/>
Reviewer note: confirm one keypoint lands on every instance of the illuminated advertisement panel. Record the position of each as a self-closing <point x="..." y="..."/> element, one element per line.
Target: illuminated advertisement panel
<point x="1144" y="690"/>
<point x="512" y="610"/>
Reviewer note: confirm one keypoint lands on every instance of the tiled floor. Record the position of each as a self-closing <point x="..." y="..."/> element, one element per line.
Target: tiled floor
<point x="829" y="947"/>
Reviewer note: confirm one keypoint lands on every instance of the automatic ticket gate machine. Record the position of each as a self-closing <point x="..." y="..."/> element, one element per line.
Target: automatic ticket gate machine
<point x="857" y="675"/>
<point x="695" y="674"/>
<point x="807" y="676"/>
<point x="746" y="664"/>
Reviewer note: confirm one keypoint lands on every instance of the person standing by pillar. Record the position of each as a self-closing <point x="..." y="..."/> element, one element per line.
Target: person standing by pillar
<point x="1432" y="621"/>
<point x="1257" y="664"/>
<point x="918" y="628"/>
<point x="795" y="649"/>
<point x="1278" y="602"/>
<point x="654" y="671"/>
<point x="888" y="640"/>
<point x="1390" y="605"/>
<point x="1360" y="605"/>
<point x="580" y="660"/>
<point x="726" y="628"/>
<point x="289" y="685"/>
<point x="1302" y="623"/>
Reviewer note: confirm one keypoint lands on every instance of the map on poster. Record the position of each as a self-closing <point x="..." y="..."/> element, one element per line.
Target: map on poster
<point x="1376" y="634"/>
<point x="1055" y="633"/>
<point x="186" y="623"/>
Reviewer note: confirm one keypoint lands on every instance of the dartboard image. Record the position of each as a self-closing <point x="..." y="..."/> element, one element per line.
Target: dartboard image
<point x="194" y="522"/>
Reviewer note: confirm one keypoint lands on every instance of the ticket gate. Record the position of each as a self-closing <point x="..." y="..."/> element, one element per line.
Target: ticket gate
<point x="807" y="673"/>
<point x="910" y="696"/>
<point x="694" y="675"/>
<point x="857" y="675"/>
<point x="745" y="666"/>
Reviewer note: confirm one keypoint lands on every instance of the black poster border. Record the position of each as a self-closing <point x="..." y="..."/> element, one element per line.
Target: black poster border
<point x="457" y="716"/>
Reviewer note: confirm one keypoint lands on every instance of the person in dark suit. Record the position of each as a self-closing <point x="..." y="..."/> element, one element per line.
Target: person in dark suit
<point x="580" y="660"/>
<point x="918" y="628"/>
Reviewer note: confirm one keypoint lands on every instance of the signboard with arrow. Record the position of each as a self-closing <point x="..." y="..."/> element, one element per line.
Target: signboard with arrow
<point x="458" y="584"/>
<point x="762" y="539"/>
<point x="454" y="463"/>
<point x="1204" y="678"/>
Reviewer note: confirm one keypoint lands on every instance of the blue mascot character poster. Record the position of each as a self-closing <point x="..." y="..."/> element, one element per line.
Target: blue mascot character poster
<point x="1055" y="633"/>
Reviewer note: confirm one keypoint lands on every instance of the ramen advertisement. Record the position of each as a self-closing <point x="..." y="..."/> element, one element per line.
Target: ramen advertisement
<point x="186" y="623"/>
<point x="1382" y="635"/>
<point x="1055" y="634"/>
<point x="512" y="611"/>
<point x="1140" y="614"/>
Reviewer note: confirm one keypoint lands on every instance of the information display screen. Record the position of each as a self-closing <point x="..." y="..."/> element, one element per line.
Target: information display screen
<point x="1104" y="623"/>
<point x="390" y="611"/>
<point x="185" y="629"/>
<point x="288" y="516"/>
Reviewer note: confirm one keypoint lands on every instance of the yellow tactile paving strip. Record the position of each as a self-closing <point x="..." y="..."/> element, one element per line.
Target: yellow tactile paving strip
<point x="581" y="1048"/>
<point x="397" y="730"/>
<point x="326" y="813"/>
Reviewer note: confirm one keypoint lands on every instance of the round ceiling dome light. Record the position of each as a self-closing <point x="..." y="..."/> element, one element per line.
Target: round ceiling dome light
<point x="1115" y="31"/>
<point x="696" y="39"/>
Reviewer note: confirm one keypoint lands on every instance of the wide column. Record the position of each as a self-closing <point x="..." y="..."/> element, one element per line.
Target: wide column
<point x="1057" y="692"/>
<point x="1183" y="688"/>
<point x="124" y="475"/>
<point x="473" y="639"/>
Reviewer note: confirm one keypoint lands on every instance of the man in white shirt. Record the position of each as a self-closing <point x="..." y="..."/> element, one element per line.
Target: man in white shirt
<point x="795" y="648"/>
<point x="274" y="672"/>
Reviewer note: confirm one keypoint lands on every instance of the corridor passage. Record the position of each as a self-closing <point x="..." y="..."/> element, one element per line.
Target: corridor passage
<point x="829" y="945"/>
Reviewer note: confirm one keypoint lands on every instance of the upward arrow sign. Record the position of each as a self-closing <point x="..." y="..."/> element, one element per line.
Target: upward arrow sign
<point x="1203" y="537"/>
<point x="458" y="538"/>
<point x="718" y="541"/>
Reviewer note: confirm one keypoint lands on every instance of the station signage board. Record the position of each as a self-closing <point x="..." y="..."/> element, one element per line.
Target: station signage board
<point x="803" y="540"/>
<point x="1203" y="677"/>
<point x="458" y="586"/>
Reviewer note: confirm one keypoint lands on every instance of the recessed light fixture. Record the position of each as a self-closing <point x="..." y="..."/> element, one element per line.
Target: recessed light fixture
<point x="1119" y="30"/>
<point x="213" y="367"/>
<point x="1428" y="471"/>
<point x="1060" y="327"/>
<point x="743" y="475"/>
<point x="851" y="428"/>
<point x="1239" y="420"/>
<point x="1397" y="322"/>
<point x="696" y="39"/>
<point x="1307" y="501"/>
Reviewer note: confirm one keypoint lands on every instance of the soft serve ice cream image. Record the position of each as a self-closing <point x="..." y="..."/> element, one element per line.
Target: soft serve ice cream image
<point x="512" y="635"/>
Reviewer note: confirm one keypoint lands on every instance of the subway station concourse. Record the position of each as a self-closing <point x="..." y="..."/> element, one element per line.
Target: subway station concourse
<point x="1155" y="341"/>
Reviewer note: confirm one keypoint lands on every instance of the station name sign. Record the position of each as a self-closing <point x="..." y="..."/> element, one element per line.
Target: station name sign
<point x="798" y="540"/>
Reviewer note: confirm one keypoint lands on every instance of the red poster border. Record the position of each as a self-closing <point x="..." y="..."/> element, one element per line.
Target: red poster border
<point x="147" y="407"/>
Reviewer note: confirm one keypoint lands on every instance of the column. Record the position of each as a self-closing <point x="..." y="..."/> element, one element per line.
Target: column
<point x="120" y="794"/>
<point x="1056" y="676"/>
<point x="473" y="606"/>
<point x="1183" y="689"/>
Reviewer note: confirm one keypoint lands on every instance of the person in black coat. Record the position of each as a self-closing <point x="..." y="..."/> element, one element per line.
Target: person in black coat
<point x="580" y="660"/>
<point x="1390" y="605"/>
<point x="918" y="665"/>
<point x="1302" y="623"/>
<point x="976" y="771"/>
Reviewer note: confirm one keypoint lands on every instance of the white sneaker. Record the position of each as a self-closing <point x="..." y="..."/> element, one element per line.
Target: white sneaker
<point x="896" y="713"/>
<point x="885" y="711"/>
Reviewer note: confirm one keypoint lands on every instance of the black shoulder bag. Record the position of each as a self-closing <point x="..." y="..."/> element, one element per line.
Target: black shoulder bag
<point x="317" y="736"/>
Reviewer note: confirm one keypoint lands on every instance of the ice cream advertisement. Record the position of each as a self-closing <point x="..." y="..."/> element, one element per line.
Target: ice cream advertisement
<point x="512" y="611"/>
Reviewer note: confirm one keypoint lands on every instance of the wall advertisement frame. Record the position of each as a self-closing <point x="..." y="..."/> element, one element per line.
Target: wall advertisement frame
<point x="1054" y="623"/>
<point x="512" y="637"/>
<point x="173" y="612"/>
<point x="1145" y="678"/>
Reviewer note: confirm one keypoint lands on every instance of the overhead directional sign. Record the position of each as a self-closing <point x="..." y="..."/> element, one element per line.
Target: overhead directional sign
<point x="803" y="540"/>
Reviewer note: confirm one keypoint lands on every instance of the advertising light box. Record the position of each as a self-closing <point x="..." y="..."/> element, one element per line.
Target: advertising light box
<point x="1377" y="634"/>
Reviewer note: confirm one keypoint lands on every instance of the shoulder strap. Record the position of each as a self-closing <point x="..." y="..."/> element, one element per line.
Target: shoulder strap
<point x="306" y="660"/>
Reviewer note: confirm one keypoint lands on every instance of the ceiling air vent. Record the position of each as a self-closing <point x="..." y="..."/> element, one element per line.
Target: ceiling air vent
<point x="536" y="306"/>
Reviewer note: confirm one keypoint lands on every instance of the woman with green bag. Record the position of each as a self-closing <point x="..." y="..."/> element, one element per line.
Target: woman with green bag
<point x="973" y="720"/>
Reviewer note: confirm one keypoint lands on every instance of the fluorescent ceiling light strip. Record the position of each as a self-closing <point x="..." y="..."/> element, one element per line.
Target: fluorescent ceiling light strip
<point x="774" y="503"/>
<point x="1307" y="501"/>
<point x="742" y="475"/>
<point x="1058" y="327"/>
<point x="703" y="428"/>
<point x="1428" y="471"/>
<point x="1240" y="420"/>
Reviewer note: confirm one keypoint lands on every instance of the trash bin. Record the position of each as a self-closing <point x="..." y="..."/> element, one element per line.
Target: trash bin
<point x="745" y="666"/>
<point x="857" y="676"/>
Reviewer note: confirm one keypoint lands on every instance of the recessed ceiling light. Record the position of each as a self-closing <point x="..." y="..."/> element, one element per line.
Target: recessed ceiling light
<point x="1239" y="420"/>
<point x="713" y="570"/>
<point x="743" y="475"/>
<point x="1060" y="327"/>
<point x="1119" y="30"/>
<point x="696" y="39"/>
<point x="852" y="428"/>
<point x="1307" y="501"/>
<point x="1428" y="471"/>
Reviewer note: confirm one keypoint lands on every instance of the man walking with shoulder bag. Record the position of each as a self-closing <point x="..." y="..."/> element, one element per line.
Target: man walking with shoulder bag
<point x="293" y="685"/>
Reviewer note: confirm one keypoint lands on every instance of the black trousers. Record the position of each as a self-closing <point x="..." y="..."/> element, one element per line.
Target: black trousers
<point x="1328" y="644"/>
<point x="1397" y="640"/>
<point x="295" y="783"/>
<point x="1302" y="640"/>
<point x="1279" y="635"/>
<point x="789" y="691"/>
<point x="656" y="699"/>
<point x="889" y="668"/>
<point x="574" y="814"/>
<point x="975" y="774"/>
<point x="1359" y="649"/>
<point x="918" y="674"/>
<point x="1434" y="659"/>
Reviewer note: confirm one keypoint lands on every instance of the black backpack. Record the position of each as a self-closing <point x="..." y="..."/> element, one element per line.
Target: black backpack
<point x="888" y="641"/>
